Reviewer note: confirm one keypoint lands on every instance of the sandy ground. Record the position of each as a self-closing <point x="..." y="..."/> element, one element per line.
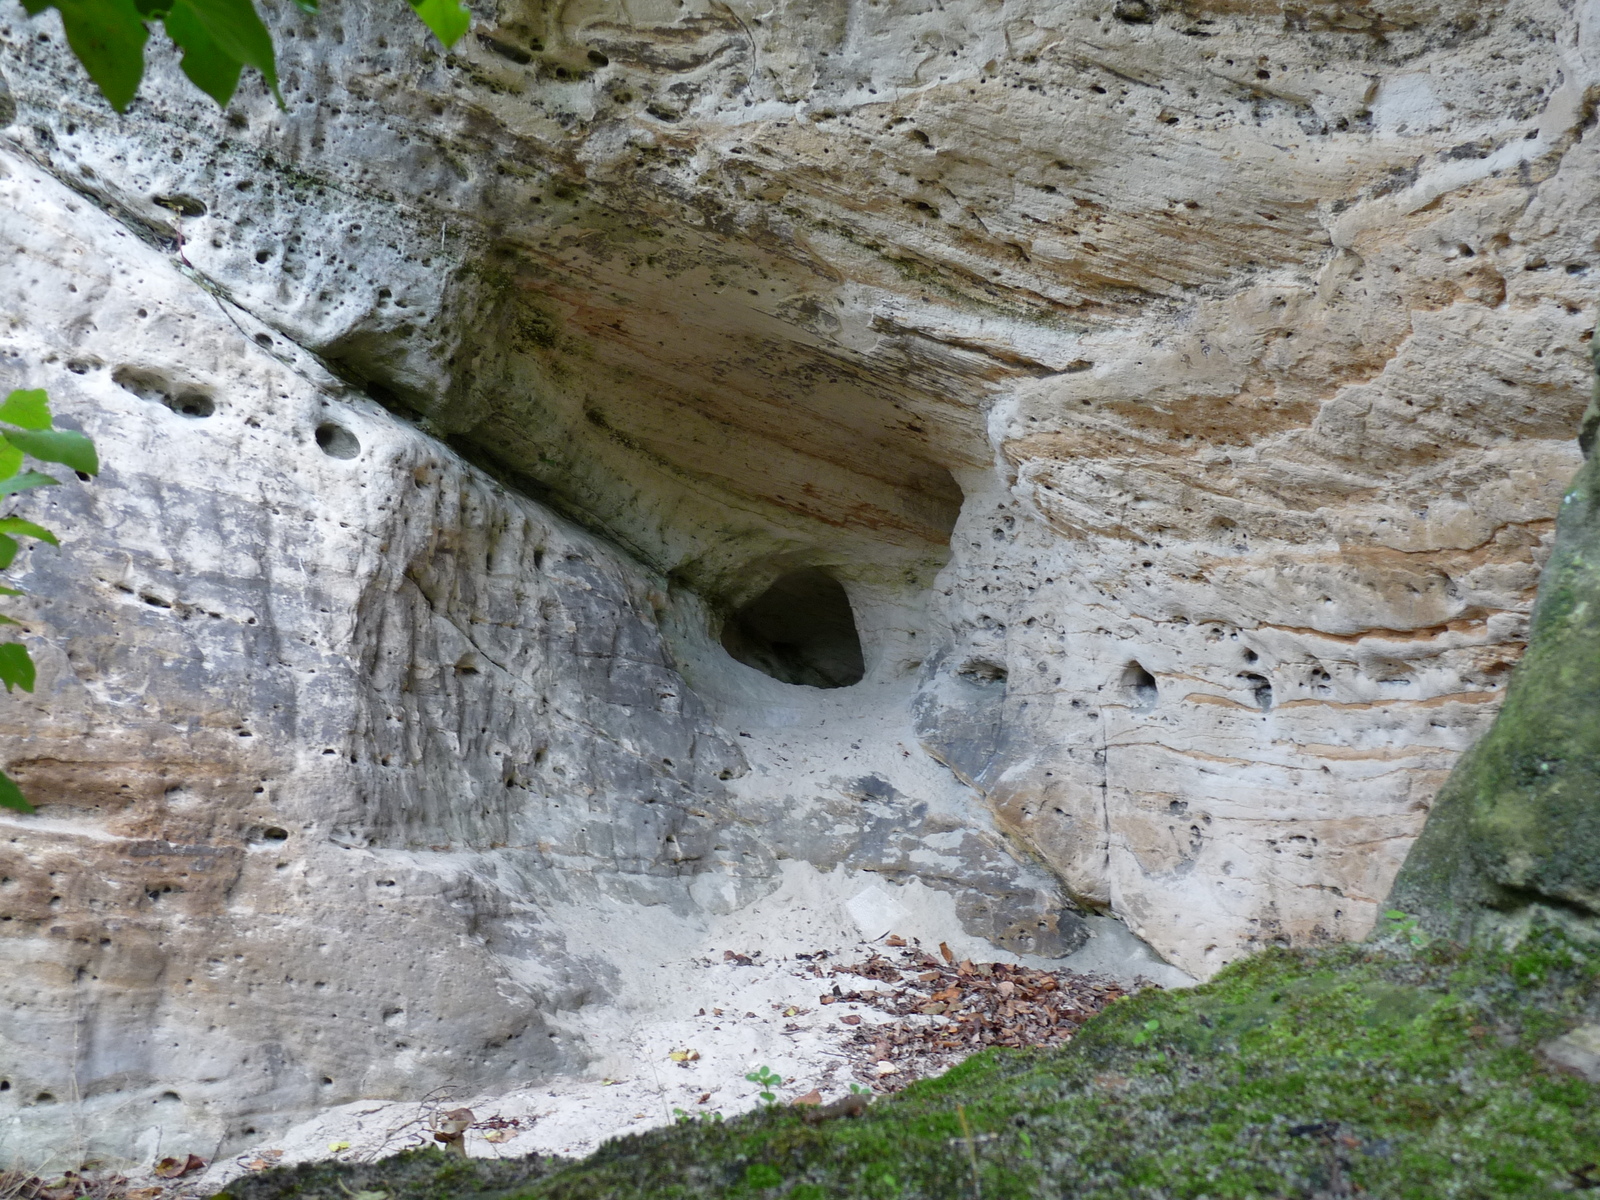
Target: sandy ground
<point x="691" y="1022"/>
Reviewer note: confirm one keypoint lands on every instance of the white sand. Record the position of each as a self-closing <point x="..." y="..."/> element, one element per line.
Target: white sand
<point x="678" y="994"/>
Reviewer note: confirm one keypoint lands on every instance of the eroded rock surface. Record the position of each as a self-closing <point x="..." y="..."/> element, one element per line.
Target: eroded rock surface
<point x="334" y="732"/>
<point x="1182" y="392"/>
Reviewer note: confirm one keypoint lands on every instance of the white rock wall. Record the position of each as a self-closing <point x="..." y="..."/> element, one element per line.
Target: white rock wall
<point x="1183" y="390"/>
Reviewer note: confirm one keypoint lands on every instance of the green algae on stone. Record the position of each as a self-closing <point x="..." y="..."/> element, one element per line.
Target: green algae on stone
<point x="1518" y="822"/>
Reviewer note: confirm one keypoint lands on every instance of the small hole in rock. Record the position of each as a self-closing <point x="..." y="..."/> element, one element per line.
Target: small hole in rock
<point x="800" y="630"/>
<point x="275" y="833"/>
<point x="193" y="404"/>
<point x="1140" y="687"/>
<point x="982" y="672"/>
<point x="337" y="441"/>
<point x="1259" y="688"/>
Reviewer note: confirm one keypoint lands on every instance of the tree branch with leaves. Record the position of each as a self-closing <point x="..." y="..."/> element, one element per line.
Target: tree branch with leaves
<point x="217" y="38"/>
<point x="27" y="430"/>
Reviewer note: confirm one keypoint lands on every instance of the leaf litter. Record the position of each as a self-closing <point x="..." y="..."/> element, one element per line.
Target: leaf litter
<point x="946" y="1011"/>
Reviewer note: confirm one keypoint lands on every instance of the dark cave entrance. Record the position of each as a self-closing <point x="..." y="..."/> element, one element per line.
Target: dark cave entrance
<point x="800" y="630"/>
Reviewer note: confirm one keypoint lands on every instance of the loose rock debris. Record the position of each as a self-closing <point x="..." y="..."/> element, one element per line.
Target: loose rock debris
<point x="950" y="1010"/>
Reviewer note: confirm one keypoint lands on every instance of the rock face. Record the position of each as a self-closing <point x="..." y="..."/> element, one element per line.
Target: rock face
<point x="1517" y="827"/>
<point x="1182" y="394"/>
<point x="335" y="733"/>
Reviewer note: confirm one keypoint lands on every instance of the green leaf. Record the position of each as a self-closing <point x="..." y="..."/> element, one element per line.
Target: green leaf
<point x="235" y="31"/>
<point x="108" y="37"/>
<point x="1394" y="914"/>
<point x="154" y="10"/>
<point x="8" y="550"/>
<point x="5" y="591"/>
<point x="26" y="481"/>
<point x="27" y="529"/>
<point x="309" y="6"/>
<point x="64" y="446"/>
<point x="10" y="460"/>
<point x="210" y="68"/>
<point x="11" y="795"/>
<point x="447" y="18"/>
<point x="16" y="666"/>
<point x="28" y="409"/>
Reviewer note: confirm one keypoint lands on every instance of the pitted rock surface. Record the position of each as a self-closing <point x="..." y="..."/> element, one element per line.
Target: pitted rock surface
<point x="1183" y="393"/>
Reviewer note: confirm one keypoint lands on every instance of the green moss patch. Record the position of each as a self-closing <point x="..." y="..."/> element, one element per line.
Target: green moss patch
<point x="1384" y="1070"/>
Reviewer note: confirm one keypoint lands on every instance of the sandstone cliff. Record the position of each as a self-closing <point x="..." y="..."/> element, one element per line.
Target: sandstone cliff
<point x="1181" y="393"/>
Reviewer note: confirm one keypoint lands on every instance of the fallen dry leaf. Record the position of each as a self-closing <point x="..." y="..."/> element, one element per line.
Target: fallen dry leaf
<point x="684" y="1057"/>
<point x="176" y="1168"/>
<point x="851" y="1019"/>
<point x="499" y="1135"/>
<point x="945" y="950"/>
<point x="811" y="1097"/>
<point x="894" y="939"/>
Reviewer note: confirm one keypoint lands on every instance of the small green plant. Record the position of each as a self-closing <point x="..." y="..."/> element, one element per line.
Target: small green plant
<point x="682" y="1116"/>
<point x="1403" y="927"/>
<point x="1146" y="1032"/>
<point x="768" y="1080"/>
<point x="857" y="1090"/>
<point x="27" y="430"/>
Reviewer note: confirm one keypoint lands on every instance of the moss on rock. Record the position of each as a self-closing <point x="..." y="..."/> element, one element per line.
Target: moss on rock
<point x="1518" y="823"/>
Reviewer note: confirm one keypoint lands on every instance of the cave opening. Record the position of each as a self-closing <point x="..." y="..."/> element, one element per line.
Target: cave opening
<point x="800" y="630"/>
